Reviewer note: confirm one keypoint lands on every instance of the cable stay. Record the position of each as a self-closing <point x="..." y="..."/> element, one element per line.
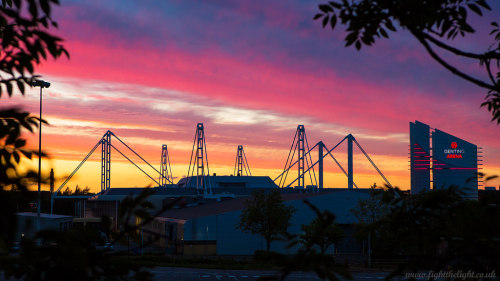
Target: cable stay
<point x="310" y="161"/>
<point x="241" y="163"/>
<point x="78" y="167"/>
<point x="286" y="168"/>
<point x="135" y="165"/>
<point x="246" y="161"/>
<point x="338" y="164"/>
<point x="373" y="163"/>
<point x="136" y="154"/>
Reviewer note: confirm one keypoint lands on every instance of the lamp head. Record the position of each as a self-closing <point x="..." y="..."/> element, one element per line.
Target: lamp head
<point x="40" y="83"/>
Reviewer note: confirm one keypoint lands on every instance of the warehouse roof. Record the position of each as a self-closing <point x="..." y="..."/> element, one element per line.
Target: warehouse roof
<point x="230" y="205"/>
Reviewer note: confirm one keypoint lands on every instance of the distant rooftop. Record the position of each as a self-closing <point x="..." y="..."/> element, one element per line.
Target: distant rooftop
<point x="42" y="215"/>
<point x="214" y="208"/>
<point x="231" y="181"/>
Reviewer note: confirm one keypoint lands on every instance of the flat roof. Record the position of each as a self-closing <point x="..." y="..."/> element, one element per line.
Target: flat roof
<point x="236" y="204"/>
<point x="42" y="215"/>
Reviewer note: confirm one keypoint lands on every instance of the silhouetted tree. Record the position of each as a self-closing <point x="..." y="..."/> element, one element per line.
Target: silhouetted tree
<point x="439" y="230"/>
<point x="266" y="215"/>
<point x="13" y="183"/>
<point x="322" y="232"/>
<point x="25" y="41"/>
<point x="434" y="23"/>
<point x="371" y="209"/>
<point x="77" y="191"/>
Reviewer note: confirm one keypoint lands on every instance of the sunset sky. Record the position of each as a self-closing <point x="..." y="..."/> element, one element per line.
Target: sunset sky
<point x="251" y="71"/>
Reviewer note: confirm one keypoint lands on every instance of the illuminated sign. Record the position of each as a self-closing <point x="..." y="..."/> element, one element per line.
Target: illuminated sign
<point x="454" y="152"/>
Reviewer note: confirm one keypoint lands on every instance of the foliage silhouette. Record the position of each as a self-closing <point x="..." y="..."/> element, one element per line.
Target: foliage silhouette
<point x="266" y="215"/>
<point x="322" y="232"/>
<point x="26" y="41"/>
<point x="371" y="209"/>
<point x="77" y="191"/>
<point x="74" y="253"/>
<point x="435" y="24"/>
<point x="438" y="230"/>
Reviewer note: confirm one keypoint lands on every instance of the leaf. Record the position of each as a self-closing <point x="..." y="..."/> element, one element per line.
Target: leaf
<point x="389" y="25"/>
<point x="16" y="156"/>
<point x="483" y="4"/>
<point x="383" y="33"/>
<point x="325" y="8"/>
<point x="366" y="40"/>
<point x="44" y="4"/>
<point x="333" y="21"/>
<point x="358" y="45"/>
<point x="26" y="153"/>
<point x="463" y="12"/>
<point x="351" y="37"/>
<point x="19" y="143"/>
<point x="475" y="9"/>
<point x="20" y="86"/>
<point x="325" y="21"/>
<point x="446" y="26"/>
<point x="335" y="5"/>
<point x="317" y="16"/>
<point x="9" y="88"/>
<point x="491" y="177"/>
<point x="467" y="28"/>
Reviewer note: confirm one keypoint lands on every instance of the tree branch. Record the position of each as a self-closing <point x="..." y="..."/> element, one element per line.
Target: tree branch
<point x="451" y="68"/>
<point x="488" y="68"/>
<point x="458" y="52"/>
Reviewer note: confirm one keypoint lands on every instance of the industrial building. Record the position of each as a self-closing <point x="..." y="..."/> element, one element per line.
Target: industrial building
<point x="210" y="229"/>
<point x="27" y="224"/>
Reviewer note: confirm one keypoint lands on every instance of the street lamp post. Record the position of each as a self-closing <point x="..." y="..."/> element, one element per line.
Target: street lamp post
<point x="42" y="84"/>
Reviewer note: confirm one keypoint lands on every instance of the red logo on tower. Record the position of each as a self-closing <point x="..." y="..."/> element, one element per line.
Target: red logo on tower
<point x="454" y="152"/>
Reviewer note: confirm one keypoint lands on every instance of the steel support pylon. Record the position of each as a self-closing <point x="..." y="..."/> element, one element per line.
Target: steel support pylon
<point x="200" y="171"/>
<point x="106" y="161"/>
<point x="350" y="170"/>
<point x="166" y="170"/>
<point x="320" y="164"/>
<point x="199" y="159"/>
<point x="300" y="149"/>
<point x="239" y="156"/>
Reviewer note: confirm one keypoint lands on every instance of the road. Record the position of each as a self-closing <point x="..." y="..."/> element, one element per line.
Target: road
<point x="196" y="274"/>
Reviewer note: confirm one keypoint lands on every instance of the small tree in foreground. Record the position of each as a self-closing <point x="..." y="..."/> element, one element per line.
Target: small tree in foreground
<point x="322" y="232"/>
<point x="266" y="215"/>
